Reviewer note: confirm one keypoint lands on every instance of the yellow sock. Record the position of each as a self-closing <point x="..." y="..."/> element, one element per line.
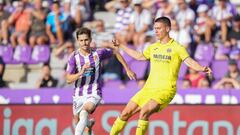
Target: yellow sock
<point x="142" y="127"/>
<point x="117" y="126"/>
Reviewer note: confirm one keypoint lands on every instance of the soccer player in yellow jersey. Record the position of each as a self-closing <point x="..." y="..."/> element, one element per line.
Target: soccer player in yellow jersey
<point x="165" y="57"/>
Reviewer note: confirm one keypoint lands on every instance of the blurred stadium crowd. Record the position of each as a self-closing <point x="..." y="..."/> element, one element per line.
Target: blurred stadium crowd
<point x="37" y="36"/>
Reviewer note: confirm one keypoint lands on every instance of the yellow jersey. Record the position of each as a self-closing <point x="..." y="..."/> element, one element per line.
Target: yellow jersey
<point x="165" y="61"/>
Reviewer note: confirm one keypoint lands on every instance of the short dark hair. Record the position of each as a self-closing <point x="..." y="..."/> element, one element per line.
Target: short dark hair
<point x="57" y="2"/>
<point x="83" y="30"/>
<point x="164" y="20"/>
<point x="232" y="62"/>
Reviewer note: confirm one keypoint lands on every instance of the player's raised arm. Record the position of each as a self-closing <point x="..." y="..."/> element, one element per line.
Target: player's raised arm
<point x="133" y="53"/>
<point x="130" y="73"/>
<point x="196" y="66"/>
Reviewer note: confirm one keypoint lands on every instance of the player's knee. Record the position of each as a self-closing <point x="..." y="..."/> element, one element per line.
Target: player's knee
<point x="144" y="114"/>
<point x="125" y="115"/>
<point x="76" y="119"/>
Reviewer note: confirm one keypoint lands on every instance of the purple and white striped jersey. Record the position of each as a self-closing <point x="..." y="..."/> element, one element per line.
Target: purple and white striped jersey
<point x="90" y="83"/>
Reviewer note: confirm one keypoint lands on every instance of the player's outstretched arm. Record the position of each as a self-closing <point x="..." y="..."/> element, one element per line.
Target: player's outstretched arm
<point x="133" y="53"/>
<point x="73" y="77"/>
<point x="196" y="66"/>
<point x="130" y="73"/>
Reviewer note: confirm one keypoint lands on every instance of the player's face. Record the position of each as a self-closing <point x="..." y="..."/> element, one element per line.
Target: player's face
<point x="84" y="42"/>
<point x="161" y="30"/>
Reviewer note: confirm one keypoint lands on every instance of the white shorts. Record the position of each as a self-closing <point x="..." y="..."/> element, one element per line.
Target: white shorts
<point x="80" y="101"/>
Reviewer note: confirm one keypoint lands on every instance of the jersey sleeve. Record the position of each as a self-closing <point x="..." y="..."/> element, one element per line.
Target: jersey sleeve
<point x="182" y="52"/>
<point x="71" y="65"/>
<point x="146" y="52"/>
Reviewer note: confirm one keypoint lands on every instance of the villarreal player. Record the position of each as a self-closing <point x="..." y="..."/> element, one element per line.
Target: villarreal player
<point x="165" y="56"/>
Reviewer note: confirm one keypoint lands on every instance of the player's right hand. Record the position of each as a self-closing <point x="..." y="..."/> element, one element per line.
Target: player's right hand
<point x="83" y="69"/>
<point x="131" y="75"/>
<point x="85" y="66"/>
<point x="208" y="71"/>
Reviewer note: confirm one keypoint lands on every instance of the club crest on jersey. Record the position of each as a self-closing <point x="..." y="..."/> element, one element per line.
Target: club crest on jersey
<point x="95" y="58"/>
<point x="169" y="50"/>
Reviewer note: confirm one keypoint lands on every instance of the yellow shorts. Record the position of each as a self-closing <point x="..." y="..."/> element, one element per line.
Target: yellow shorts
<point x="163" y="97"/>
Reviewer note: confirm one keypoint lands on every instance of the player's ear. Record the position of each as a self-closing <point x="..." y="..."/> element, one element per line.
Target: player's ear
<point x="168" y="29"/>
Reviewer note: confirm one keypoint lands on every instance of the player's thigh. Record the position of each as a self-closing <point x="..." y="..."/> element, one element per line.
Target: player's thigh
<point x="130" y="109"/>
<point x="89" y="106"/>
<point x="91" y="103"/>
<point x="150" y="107"/>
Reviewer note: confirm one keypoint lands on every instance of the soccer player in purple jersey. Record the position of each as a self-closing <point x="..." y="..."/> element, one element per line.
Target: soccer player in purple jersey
<point x="84" y="69"/>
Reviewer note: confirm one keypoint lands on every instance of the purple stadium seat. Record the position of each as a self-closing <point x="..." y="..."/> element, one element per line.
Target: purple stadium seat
<point x="132" y="85"/>
<point x="22" y="53"/>
<point x="40" y="53"/>
<point x="113" y="84"/>
<point x="182" y="71"/>
<point x="179" y="83"/>
<point x="139" y="67"/>
<point x="204" y="52"/>
<point x="127" y="58"/>
<point x="203" y="62"/>
<point x="219" y="68"/>
<point x="6" y="53"/>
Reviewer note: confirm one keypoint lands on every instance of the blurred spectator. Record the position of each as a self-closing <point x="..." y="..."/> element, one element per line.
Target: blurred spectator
<point x="101" y="37"/>
<point x="233" y="70"/>
<point x="113" y="5"/>
<point x="234" y="33"/>
<point x="80" y="11"/>
<point x="38" y="28"/>
<point x="184" y="16"/>
<point x="140" y="22"/>
<point x="194" y="77"/>
<point x="2" y="68"/>
<point x="204" y="25"/>
<point x="180" y="35"/>
<point x="222" y="15"/>
<point x="232" y="44"/>
<point x="55" y="24"/>
<point x="223" y="51"/>
<point x="204" y="83"/>
<point x="234" y="38"/>
<point x="121" y="28"/>
<point x="98" y="5"/>
<point x="46" y="81"/>
<point x="227" y="83"/>
<point x="64" y="51"/>
<point x="231" y="79"/>
<point x="186" y="84"/>
<point x="20" y="19"/>
<point x="193" y="4"/>
<point x="165" y="9"/>
<point x="3" y="23"/>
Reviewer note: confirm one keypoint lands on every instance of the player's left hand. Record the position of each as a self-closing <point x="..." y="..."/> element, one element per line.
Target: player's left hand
<point x="115" y="43"/>
<point x="131" y="75"/>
